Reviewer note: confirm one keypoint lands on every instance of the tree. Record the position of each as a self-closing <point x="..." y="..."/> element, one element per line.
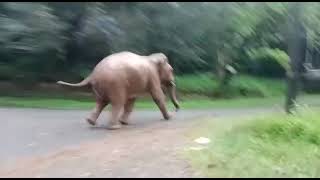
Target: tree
<point x="297" y="43"/>
<point x="29" y="35"/>
<point x="226" y="27"/>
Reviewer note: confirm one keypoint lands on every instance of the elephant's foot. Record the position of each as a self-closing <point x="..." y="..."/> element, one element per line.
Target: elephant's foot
<point x="165" y="119"/>
<point x="114" y="126"/>
<point x="169" y="117"/>
<point x="90" y="121"/>
<point x="123" y="122"/>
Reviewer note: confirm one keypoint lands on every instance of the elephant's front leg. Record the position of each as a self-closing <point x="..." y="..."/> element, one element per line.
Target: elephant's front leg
<point x="127" y="110"/>
<point x="159" y="98"/>
<point x="96" y="112"/>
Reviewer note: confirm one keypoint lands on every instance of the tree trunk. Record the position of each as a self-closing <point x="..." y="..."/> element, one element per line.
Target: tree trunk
<point x="223" y="73"/>
<point x="72" y="48"/>
<point x="297" y="50"/>
<point x="315" y="58"/>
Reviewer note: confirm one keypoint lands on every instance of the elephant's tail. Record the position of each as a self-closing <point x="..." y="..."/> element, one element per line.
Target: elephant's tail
<point x="85" y="82"/>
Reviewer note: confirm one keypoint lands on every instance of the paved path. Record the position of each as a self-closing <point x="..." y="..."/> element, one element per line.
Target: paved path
<point x="59" y="143"/>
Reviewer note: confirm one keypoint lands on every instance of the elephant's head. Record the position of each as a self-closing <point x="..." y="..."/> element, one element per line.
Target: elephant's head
<point x="166" y="75"/>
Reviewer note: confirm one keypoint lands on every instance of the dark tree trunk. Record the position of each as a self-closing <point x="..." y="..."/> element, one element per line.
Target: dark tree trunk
<point x="72" y="13"/>
<point x="297" y="50"/>
<point x="72" y="47"/>
<point x="315" y="58"/>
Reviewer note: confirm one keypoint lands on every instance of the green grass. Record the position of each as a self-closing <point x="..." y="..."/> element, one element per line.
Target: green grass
<point x="34" y="102"/>
<point x="186" y="103"/>
<point x="275" y="145"/>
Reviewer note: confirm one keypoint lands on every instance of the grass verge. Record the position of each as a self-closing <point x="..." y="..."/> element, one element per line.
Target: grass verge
<point x="54" y="103"/>
<point x="187" y="103"/>
<point x="275" y="145"/>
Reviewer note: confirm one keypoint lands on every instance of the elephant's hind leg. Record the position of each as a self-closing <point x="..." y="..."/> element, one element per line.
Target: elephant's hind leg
<point x="96" y="112"/>
<point x="127" y="110"/>
<point x="117" y="111"/>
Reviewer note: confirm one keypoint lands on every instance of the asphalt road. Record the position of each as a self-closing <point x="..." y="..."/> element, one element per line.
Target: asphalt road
<point x="33" y="132"/>
<point x="26" y="132"/>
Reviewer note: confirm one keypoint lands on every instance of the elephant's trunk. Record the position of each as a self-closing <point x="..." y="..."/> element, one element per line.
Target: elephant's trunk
<point x="172" y="94"/>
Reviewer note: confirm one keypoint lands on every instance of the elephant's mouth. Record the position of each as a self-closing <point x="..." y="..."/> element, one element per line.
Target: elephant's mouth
<point x="169" y="83"/>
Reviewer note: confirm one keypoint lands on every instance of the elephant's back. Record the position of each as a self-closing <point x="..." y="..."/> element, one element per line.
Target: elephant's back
<point x="122" y="62"/>
<point x="123" y="69"/>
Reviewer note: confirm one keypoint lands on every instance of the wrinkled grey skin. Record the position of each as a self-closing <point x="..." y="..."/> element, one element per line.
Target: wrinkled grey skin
<point x="121" y="78"/>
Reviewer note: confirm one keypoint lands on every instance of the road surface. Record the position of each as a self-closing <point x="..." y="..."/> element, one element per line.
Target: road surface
<point x="59" y="143"/>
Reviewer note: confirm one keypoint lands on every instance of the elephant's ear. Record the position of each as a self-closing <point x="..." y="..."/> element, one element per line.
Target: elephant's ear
<point x="158" y="58"/>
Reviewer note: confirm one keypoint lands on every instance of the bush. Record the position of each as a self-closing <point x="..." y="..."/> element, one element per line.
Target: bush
<point x="242" y="85"/>
<point x="268" y="62"/>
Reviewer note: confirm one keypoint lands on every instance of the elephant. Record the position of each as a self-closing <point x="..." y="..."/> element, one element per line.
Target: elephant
<point x="120" y="78"/>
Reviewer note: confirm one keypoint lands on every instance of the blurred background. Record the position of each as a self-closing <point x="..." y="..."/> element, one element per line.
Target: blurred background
<point x="250" y="59"/>
<point x="217" y="50"/>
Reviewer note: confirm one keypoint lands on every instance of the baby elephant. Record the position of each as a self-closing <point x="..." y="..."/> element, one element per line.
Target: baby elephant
<point x="122" y="77"/>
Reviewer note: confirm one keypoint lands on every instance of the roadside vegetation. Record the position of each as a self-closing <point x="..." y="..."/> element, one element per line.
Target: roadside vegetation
<point x="268" y="145"/>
